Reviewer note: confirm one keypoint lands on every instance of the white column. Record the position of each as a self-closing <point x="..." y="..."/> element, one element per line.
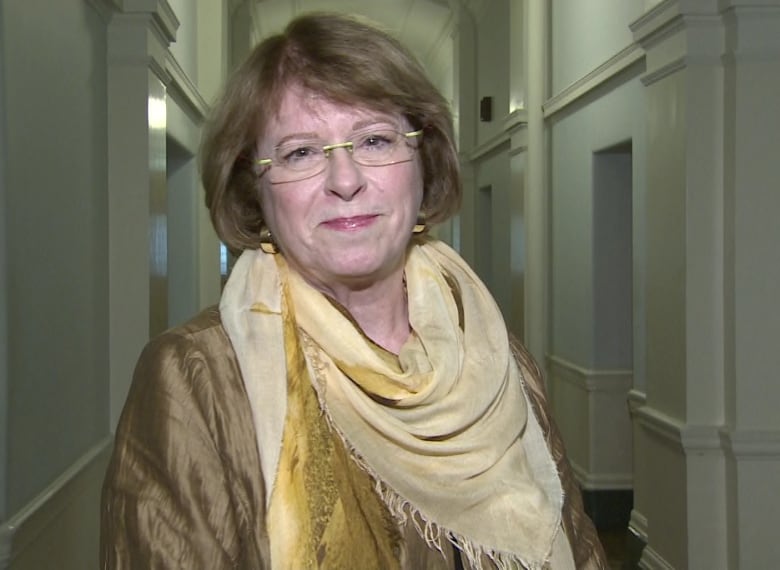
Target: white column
<point x="3" y="301"/>
<point x="536" y="192"/>
<point x="708" y="442"/>
<point x="516" y="126"/>
<point x="137" y="44"/>
<point x="751" y="232"/>
<point x="465" y="105"/>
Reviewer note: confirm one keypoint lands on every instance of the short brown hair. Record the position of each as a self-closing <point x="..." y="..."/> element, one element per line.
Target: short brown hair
<point x="347" y="61"/>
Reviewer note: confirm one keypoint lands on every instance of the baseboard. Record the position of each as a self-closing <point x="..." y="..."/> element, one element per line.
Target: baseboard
<point x="30" y="539"/>
<point x="636" y="540"/>
<point x="651" y="560"/>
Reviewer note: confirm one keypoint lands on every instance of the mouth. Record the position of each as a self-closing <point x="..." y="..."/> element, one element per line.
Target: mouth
<point x="351" y="223"/>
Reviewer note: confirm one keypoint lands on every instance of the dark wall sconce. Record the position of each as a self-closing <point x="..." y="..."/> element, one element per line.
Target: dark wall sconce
<point x="486" y="109"/>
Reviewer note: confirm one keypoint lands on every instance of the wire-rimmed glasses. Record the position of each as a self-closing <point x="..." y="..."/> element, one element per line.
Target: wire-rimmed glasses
<point x="300" y="159"/>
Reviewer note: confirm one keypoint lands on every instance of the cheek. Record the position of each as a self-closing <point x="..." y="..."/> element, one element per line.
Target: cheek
<point x="269" y="203"/>
<point x="416" y="183"/>
<point x="284" y="212"/>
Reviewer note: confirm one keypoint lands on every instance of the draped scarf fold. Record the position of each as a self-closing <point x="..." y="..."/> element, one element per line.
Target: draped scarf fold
<point x="443" y="427"/>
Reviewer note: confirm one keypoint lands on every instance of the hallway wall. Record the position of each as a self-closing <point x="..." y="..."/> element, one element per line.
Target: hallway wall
<point x="590" y="385"/>
<point x="56" y="230"/>
<point x="56" y="251"/>
<point x="55" y="279"/>
<point x="491" y="213"/>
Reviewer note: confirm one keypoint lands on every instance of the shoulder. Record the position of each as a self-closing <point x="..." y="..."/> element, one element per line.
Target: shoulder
<point x="533" y="385"/>
<point x="533" y="380"/>
<point x="189" y="369"/>
<point x="200" y="331"/>
<point x="188" y="349"/>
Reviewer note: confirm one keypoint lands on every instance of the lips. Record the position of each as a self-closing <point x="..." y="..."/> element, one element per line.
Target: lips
<point x="350" y="223"/>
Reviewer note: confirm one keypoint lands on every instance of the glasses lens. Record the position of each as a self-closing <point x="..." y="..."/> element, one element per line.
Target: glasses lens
<point x="299" y="160"/>
<point x="379" y="147"/>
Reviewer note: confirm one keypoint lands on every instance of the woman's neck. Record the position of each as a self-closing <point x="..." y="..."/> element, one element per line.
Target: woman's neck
<point x="380" y="309"/>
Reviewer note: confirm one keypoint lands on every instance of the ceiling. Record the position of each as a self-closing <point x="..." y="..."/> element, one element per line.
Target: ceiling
<point x="424" y="26"/>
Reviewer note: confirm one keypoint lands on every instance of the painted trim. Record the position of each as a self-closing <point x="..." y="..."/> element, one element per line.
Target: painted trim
<point x="589" y="380"/>
<point x="104" y="7"/>
<point x="616" y="383"/>
<point x="751" y="443"/>
<point x="664" y="71"/>
<point x="517" y="119"/>
<point x="691" y="439"/>
<point x="27" y="525"/>
<point x="514" y="121"/>
<point x="162" y="14"/>
<point x="658" y="23"/>
<point x="651" y="560"/>
<point x="184" y="91"/>
<point x="618" y="63"/>
<point x="638" y="525"/>
<point x="602" y="481"/>
<point x="488" y="146"/>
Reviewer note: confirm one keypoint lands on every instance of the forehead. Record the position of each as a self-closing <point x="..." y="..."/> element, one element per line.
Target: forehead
<point x="302" y="111"/>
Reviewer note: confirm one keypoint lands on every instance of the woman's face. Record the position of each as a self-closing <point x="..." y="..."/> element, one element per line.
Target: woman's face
<point x="349" y="224"/>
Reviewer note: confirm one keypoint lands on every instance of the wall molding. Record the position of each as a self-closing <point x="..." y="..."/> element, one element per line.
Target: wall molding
<point x="489" y="146"/>
<point x="181" y="88"/>
<point x="603" y="461"/>
<point x="638" y="525"/>
<point x="104" y="7"/>
<point x="165" y="21"/>
<point x="618" y="63"/>
<point x="688" y="438"/>
<point x="664" y="71"/>
<point x="751" y="443"/>
<point x="517" y="119"/>
<point x="590" y="380"/>
<point x="41" y="514"/>
<point x="651" y="560"/>
<point x="602" y="481"/>
<point x="658" y="23"/>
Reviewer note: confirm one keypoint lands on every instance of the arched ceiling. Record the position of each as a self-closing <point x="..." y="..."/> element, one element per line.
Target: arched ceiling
<point x="424" y="26"/>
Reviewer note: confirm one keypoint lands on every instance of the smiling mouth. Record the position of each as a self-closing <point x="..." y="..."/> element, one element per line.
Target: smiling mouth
<point x="351" y="223"/>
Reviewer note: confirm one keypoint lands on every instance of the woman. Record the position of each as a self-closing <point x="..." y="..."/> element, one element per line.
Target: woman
<point x="355" y="401"/>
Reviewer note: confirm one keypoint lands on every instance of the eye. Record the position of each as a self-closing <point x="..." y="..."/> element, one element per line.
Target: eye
<point x="376" y="141"/>
<point x="299" y="154"/>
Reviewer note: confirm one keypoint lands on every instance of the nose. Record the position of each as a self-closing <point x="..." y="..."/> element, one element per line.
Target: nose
<point x="344" y="175"/>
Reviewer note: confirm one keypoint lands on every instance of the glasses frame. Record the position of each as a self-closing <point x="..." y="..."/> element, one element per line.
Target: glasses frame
<point x="347" y="145"/>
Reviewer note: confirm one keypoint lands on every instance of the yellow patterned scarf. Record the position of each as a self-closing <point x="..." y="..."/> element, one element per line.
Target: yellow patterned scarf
<point x="443" y="427"/>
<point x="324" y="512"/>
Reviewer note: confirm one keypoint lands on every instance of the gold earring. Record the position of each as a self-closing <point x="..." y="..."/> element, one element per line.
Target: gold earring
<point x="420" y="226"/>
<point x="267" y="243"/>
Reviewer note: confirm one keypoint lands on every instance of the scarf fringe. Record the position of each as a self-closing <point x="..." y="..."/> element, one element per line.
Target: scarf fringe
<point x="429" y="530"/>
<point x="434" y="534"/>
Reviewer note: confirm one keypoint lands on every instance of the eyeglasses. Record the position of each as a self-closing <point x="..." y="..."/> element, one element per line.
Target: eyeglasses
<point x="297" y="160"/>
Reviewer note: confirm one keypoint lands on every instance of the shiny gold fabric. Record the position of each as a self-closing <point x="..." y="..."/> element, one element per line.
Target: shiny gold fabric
<point x="184" y="488"/>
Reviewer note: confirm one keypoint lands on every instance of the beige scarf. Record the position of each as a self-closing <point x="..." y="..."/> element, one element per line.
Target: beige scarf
<point x="444" y="427"/>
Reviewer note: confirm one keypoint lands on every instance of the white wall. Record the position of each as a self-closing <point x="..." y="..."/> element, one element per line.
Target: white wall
<point x="55" y="264"/>
<point x="586" y="34"/>
<point x="57" y="294"/>
<point x="589" y="127"/>
<point x="483" y="58"/>
<point x="56" y="254"/>
<point x="3" y="297"/>
<point x="597" y="102"/>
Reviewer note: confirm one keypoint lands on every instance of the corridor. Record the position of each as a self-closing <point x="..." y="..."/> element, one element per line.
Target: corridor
<point x="619" y="162"/>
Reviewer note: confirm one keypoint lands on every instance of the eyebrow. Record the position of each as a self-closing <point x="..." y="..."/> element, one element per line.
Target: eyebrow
<point x="358" y="125"/>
